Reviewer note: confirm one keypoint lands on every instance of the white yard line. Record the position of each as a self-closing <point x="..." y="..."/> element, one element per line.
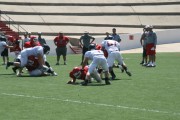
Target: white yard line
<point x="91" y="103"/>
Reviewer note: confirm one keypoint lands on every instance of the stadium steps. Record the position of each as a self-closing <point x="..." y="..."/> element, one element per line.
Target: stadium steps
<point x="76" y="49"/>
<point x="75" y="17"/>
<point x="7" y="31"/>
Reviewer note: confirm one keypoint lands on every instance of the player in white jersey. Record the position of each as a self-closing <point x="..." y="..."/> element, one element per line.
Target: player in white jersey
<point x="37" y="52"/>
<point x="113" y="49"/>
<point x="98" y="60"/>
<point x="3" y="45"/>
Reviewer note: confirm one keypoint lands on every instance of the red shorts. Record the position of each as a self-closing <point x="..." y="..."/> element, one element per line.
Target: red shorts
<point x="150" y="50"/>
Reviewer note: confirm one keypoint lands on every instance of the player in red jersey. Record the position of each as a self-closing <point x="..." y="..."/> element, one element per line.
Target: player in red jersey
<point x="34" y="68"/>
<point x="78" y="73"/>
<point x="33" y="42"/>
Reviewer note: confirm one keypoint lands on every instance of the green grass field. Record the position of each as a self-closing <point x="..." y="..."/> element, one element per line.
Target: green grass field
<point x="150" y="94"/>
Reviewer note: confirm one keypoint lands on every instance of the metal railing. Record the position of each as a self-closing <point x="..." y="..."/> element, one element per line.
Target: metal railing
<point x="11" y="23"/>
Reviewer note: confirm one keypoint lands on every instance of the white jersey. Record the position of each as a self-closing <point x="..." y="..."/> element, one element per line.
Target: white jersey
<point x="92" y="53"/>
<point x="98" y="59"/>
<point x="111" y="45"/>
<point x="2" y="44"/>
<point x="35" y="51"/>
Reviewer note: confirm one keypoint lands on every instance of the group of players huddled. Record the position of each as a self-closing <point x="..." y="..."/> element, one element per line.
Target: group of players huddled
<point x="103" y="57"/>
<point x="32" y="57"/>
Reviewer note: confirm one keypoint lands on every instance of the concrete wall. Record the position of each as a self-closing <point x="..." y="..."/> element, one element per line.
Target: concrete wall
<point x="164" y="37"/>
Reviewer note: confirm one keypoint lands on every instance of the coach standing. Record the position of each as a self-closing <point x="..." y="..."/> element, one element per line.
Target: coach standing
<point x="86" y="38"/>
<point x="61" y="41"/>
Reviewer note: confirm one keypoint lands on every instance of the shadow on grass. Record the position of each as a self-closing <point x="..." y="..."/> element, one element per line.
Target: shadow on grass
<point x="117" y="79"/>
<point x="7" y="74"/>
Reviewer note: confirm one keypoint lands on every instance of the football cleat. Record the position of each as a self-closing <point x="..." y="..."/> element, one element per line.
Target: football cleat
<point x="14" y="69"/>
<point x="128" y="73"/>
<point x="8" y="65"/>
<point x="85" y="83"/>
<point x="113" y="77"/>
<point x="107" y="82"/>
<point x="54" y="74"/>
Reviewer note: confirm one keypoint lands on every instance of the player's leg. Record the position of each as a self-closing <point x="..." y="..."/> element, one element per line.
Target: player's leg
<point x="121" y="62"/>
<point x="105" y="67"/>
<point x="57" y="56"/>
<point x="36" y="73"/>
<point x="110" y="61"/>
<point x="96" y="76"/>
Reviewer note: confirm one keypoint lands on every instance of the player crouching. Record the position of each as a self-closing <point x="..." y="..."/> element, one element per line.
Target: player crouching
<point x="83" y="74"/>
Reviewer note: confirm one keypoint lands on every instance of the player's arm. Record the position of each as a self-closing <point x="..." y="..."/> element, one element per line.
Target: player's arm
<point x="73" y="79"/>
<point x="7" y="46"/>
<point x="142" y="38"/>
<point x="44" y="40"/>
<point x="92" y="39"/>
<point x="55" y="42"/>
<point x="40" y="60"/>
<point x="155" y="40"/>
<point x="85" y="61"/>
<point x="80" y="42"/>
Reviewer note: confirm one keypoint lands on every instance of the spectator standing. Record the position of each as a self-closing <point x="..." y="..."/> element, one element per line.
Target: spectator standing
<point x="143" y="44"/>
<point x="61" y="42"/>
<point x="41" y="40"/>
<point x="108" y="36"/>
<point x="4" y="50"/>
<point x="151" y="41"/>
<point x="85" y="41"/>
<point x="115" y="36"/>
<point x="29" y="34"/>
<point x="26" y="38"/>
<point x="3" y="45"/>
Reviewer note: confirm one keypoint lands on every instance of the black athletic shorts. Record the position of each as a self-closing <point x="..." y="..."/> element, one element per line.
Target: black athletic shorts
<point x="5" y="52"/>
<point x="84" y="50"/>
<point x="61" y="51"/>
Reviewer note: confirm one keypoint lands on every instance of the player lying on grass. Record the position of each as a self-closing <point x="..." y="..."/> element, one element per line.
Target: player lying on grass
<point x="83" y="74"/>
<point x="35" y="65"/>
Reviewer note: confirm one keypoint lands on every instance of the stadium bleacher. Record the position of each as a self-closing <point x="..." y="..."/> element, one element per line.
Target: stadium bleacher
<point x="97" y="17"/>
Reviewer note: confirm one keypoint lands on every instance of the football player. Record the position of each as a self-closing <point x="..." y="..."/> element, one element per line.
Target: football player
<point x="113" y="49"/>
<point x="34" y="42"/>
<point x="98" y="60"/>
<point x="37" y="52"/>
<point x="83" y="74"/>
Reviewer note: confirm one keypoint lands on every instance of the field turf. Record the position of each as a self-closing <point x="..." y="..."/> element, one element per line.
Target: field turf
<point x="149" y="94"/>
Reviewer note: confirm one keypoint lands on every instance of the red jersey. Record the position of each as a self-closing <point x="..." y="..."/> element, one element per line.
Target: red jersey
<point x="61" y="41"/>
<point x="78" y="73"/>
<point x="32" y="63"/>
<point x="30" y="44"/>
<point x="11" y="41"/>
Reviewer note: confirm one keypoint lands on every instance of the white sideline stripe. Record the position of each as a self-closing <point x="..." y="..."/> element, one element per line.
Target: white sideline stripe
<point x="90" y="103"/>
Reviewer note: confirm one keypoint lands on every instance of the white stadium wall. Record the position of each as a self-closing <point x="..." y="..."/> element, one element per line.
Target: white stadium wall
<point x="164" y="37"/>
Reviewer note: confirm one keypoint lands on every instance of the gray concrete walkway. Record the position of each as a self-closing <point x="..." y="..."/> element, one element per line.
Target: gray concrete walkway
<point x="174" y="47"/>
